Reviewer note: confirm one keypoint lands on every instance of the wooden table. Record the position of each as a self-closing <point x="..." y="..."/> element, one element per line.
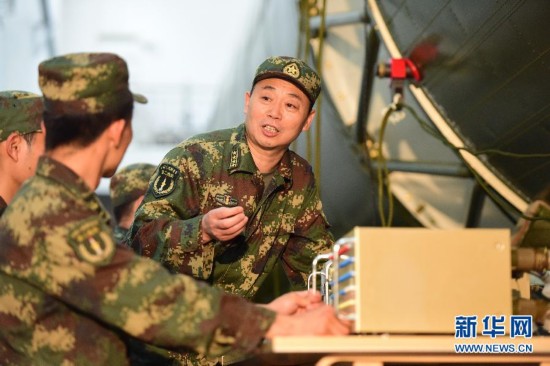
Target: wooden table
<point x="377" y="350"/>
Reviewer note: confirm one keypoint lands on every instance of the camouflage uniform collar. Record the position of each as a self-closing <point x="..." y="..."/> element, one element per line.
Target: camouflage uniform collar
<point x="63" y="175"/>
<point x="242" y="160"/>
<point x="55" y="170"/>
<point x="3" y="206"/>
<point x="119" y="233"/>
<point x="285" y="167"/>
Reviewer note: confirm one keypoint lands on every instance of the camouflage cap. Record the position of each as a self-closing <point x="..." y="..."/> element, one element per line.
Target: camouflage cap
<point x="85" y="83"/>
<point x="293" y="70"/>
<point x="130" y="182"/>
<point x="20" y="111"/>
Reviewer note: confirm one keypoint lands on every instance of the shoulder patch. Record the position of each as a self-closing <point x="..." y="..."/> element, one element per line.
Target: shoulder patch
<point x="92" y="242"/>
<point x="165" y="182"/>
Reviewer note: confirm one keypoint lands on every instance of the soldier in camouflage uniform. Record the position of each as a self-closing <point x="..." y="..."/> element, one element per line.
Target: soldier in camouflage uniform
<point x="69" y="293"/>
<point x="21" y="140"/>
<point x="226" y="206"/>
<point x="126" y="189"/>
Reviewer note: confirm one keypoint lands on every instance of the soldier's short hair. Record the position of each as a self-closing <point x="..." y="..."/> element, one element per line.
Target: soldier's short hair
<point x="83" y="94"/>
<point x="20" y="112"/>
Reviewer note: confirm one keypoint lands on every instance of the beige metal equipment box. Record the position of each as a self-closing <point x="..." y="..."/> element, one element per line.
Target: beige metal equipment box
<point x="417" y="280"/>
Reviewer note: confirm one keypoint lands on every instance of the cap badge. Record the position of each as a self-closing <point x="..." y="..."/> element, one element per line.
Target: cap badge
<point x="292" y="69"/>
<point x="22" y="95"/>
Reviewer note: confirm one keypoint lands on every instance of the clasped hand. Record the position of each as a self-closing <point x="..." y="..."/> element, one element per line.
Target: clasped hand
<point x="223" y="223"/>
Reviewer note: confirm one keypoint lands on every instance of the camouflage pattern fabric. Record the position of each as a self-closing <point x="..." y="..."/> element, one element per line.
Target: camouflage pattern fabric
<point x="293" y="70"/>
<point x="217" y="169"/>
<point x="3" y="206"/>
<point x="119" y="233"/>
<point x="20" y="112"/>
<point x="129" y="183"/>
<point x="85" y="83"/>
<point x="68" y="293"/>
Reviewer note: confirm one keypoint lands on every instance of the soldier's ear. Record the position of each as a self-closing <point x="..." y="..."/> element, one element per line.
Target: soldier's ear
<point x="115" y="131"/>
<point x="246" y="101"/>
<point x="308" y="120"/>
<point x="13" y="145"/>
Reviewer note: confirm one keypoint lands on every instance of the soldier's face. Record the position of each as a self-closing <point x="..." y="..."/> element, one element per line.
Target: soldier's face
<point x="276" y="112"/>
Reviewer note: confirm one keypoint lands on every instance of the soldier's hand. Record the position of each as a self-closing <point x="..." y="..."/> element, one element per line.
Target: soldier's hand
<point x="223" y="223"/>
<point x="295" y="302"/>
<point x="318" y="321"/>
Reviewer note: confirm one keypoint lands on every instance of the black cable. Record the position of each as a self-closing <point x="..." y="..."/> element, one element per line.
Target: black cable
<point x="497" y="199"/>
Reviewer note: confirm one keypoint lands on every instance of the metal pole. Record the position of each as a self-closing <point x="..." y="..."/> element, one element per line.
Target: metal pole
<point x="476" y="206"/>
<point x="48" y="27"/>
<point x="334" y="20"/>
<point x="451" y="170"/>
<point x="372" y="45"/>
